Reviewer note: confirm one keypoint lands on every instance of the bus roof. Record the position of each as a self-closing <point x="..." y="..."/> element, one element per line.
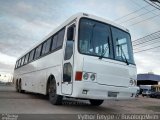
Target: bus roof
<point x="69" y="20"/>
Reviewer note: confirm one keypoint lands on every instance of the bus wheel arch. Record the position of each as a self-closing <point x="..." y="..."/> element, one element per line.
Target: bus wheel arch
<point x="17" y="85"/>
<point x="48" y="82"/>
<point x="54" y="98"/>
<point x="20" y="86"/>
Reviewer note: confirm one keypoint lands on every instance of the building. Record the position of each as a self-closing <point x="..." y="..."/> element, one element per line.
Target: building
<point x="148" y="79"/>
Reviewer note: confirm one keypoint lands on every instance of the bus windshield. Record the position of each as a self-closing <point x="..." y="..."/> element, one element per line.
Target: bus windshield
<point x="103" y="40"/>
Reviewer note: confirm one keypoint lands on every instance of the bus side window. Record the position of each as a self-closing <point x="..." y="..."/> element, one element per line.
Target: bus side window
<point x="60" y="38"/>
<point x="44" y="48"/>
<point x="16" y="64"/>
<point x="48" y="45"/>
<point x="38" y="51"/>
<point x="67" y="72"/>
<point x="22" y="62"/>
<point x="31" y="55"/>
<point x="70" y="33"/>
<point x="54" y="42"/>
<point x="26" y="59"/>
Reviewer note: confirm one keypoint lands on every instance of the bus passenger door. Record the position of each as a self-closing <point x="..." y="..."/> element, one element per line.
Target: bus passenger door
<point x="67" y="81"/>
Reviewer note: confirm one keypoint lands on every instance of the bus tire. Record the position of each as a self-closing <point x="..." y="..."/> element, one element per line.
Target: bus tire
<point x="17" y="86"/>
<point x="96" y="102"/>
<point x="20" y="87"/>
<point x="52" y="92"/>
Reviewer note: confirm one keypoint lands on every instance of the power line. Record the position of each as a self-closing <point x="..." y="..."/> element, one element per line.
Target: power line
<point x="140" y="5"/>
<point x="152" y="34"/>
<point x="151" y="4"/>
<point x="138" y="16"/>
<point x="147" y="42"/>
<point x="155" y="3"/>
<point x="144" y="20"/>
<point x="147" y="49"/>
<point x="143" y="47"/>
<point x="131" y="13"/>
<point x="146" y="39"/>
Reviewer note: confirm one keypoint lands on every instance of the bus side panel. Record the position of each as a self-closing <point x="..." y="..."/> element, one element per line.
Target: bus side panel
<point x="46" y="66"/>
<point x="34" y="76"/>
<point x="26" y="74"/>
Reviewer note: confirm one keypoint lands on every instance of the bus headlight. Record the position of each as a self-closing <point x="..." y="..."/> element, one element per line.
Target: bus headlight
<point x="93" y="76"/>
<point x="89" y="76"/>
<point x="85" y="76"/>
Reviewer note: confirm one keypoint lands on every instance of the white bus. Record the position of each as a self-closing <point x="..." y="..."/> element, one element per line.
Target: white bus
<point x="87" y="57"/>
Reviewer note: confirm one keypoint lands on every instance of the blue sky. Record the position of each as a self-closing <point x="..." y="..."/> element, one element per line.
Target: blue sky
<point x="23" y="23"/>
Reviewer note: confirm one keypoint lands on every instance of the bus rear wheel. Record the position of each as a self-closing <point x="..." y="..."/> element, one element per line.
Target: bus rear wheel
<point x="52" y="91"/>
<point x="20" y="87"/>
<point x="17" y="86"/>
<point x="96" y="102"/>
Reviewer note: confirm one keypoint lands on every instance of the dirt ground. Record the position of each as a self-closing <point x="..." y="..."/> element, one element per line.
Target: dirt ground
<point x="29" y="103"/>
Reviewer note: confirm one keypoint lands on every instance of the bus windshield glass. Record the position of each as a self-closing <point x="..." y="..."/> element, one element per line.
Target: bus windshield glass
<point x="103" y="40"/>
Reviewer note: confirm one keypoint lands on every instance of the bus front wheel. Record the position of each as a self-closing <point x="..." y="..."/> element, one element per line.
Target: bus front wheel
<point x="96" y="102"/>
<point x="52" y="90"/>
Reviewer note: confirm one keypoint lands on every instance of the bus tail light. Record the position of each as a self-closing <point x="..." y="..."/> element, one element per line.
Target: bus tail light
<point x="78" y="76"/>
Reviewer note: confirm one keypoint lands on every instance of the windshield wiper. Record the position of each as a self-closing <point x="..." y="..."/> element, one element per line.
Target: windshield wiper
<point x="105" y="50"/>
<point x="125" y="58"/>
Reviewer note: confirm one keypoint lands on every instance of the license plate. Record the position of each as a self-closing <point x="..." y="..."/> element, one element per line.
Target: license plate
<point x="112" y="94"/>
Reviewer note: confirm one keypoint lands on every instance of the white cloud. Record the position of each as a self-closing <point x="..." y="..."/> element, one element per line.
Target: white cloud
<point x="6" y="59"/>
<point x="23" y="23"/>
<point x="22" y="6"/>
<point x="147" y="62"/>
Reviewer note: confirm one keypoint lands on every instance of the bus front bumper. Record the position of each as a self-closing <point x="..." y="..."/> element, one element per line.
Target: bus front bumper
<point x="90" y="90"/>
